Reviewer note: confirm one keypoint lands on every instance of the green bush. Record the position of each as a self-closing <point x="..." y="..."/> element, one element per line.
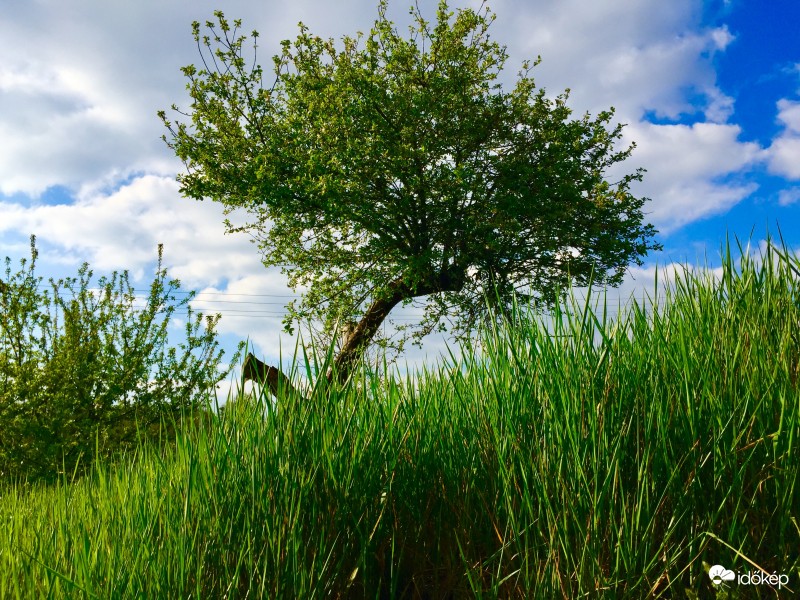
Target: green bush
<point x="87" y="371"/>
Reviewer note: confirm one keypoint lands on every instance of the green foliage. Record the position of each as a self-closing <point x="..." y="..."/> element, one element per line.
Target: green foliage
<point x="86" y="371"/>
<point x="591" y="458"/>
<point x="391" y="168"/>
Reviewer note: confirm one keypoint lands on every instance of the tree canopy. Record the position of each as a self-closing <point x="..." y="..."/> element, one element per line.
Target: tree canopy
<point x="388" y="169"/>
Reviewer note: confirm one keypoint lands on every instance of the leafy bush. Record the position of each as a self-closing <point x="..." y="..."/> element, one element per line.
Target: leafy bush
<point x="86" y="371"/>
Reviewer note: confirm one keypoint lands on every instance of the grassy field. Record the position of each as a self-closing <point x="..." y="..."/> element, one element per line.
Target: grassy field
<point x="590" y="458"/>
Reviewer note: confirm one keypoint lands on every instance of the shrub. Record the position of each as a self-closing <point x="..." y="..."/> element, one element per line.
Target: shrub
<point x="86" y="371"/>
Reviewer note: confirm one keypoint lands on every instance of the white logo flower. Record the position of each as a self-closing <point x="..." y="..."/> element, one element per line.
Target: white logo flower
<point x="718" y="574"/>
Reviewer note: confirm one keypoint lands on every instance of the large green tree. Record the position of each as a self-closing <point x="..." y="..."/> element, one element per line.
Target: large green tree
<point x="388" y="169"/>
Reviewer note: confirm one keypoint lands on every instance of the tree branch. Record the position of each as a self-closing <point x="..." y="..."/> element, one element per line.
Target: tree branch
<point x="261" y="373"/>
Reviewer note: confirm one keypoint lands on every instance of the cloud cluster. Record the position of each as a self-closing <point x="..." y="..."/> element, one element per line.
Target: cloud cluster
<point x="122" y="229"/>
<point x="79" y="106"/>
<point x="636" y="55"/>
<point x="653" y="63"/>
<point x="689" y="170"/>
<point x="81" y="82"/>
<point x="784" y="153"/>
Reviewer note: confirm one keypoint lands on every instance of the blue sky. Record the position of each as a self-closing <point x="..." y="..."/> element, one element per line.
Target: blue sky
<point x="759" y="70"/>
<point x="710" y="92"/>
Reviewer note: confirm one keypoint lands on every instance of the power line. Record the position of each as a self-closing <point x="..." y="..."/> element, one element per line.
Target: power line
<point x="199" y="296"/>
<point x="208" y="305"/>
<point x="193" y="300"/>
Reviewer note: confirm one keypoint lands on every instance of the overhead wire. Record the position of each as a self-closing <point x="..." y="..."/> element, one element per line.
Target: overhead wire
<point x="250" y="308"/>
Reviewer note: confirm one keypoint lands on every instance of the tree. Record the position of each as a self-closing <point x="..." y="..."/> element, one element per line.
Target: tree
<point x="395" y="169"/>
<point x="88" y="370"/>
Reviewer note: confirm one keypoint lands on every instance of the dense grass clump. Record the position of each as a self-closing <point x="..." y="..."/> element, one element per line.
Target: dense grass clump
<point x="586" y="458"/>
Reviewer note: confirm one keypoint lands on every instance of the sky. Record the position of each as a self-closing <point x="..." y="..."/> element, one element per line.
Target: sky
<point x="709" y="92"/>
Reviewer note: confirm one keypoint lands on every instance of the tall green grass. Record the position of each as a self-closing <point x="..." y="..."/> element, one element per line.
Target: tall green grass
<point x="588" y="458"/>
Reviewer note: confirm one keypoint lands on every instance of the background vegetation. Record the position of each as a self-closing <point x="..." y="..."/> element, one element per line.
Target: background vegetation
<point x="86" y="369"/>
<point x="588" y="458"/>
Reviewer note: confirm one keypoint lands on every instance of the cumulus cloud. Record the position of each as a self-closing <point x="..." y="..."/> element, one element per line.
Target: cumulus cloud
<point x="687" y="170"/>
<point x="789" y="196"/>
<point x="122" y="229"/>
<point x="789" y="115"/>
<point x="54" y="131"/>
<point x="784" y="152"/>
<point x="81" y="82"/>
<point x="252" y="308"/>
<point x="636" y="55"/>
<point x="651" y="61"/>
<point x="79" y="106"/>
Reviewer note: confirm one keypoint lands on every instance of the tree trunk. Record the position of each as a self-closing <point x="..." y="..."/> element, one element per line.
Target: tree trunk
<point x="359" y="338"/>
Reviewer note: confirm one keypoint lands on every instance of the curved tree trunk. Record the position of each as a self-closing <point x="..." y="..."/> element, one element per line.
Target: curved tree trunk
<point x="358" y="340"/>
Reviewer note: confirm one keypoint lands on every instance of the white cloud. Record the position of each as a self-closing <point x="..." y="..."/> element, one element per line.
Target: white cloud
<point x="645" y="58"/>
<point x="789" y="196"/>
<point x="785" y="156"/>
<point x="252" y="307"/>
<point x="59" y="127"/>
<point x="79" y="106"/>
<point x="636" y="55"/>
<point x="722" y="37"/>
<point x="784" y="153"/>
<point x="686" y="168"/>
<point x="789" y="115"/>
<point x="122" y="230"/>
<point x="81" y="82"/>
